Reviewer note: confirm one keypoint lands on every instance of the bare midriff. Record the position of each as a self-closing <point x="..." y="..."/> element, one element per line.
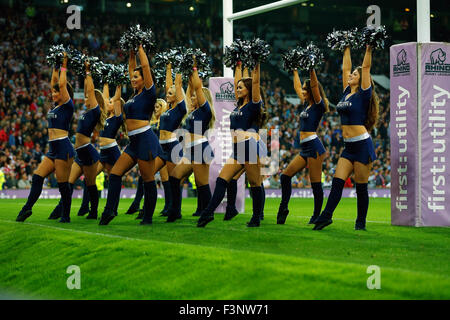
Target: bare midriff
<point x="57" y="133"/>
<point x="81" y="139"/>
<point x="166" y="135"/>
<point x="102" y="141"/>
<point x="350" y="131"/>
<point x="133" y="124"/>
<point x="193" y="137"/>
<point x="241" y="135"/>
<point x="306" y="134"/>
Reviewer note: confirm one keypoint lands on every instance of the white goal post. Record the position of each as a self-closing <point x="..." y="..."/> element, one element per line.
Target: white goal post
<point x="423" y="18"/>
<point x="229" y="17"/>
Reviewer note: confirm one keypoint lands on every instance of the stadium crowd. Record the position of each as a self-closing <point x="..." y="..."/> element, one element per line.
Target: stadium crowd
<point x="25" y="90"/>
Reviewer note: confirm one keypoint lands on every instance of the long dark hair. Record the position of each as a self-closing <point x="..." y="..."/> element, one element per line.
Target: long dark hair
<point x="322" y="93"/>
<point x="69" y="89"/>
<point x="141" y="72"/>
<point x="372" y="113"/>
<point x="263" y="115"/>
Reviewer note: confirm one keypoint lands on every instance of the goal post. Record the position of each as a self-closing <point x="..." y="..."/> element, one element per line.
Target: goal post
<point x="229" y="17"/>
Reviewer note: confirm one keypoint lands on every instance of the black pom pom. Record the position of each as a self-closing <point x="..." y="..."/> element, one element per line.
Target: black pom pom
<point x="184" y="62"/>
<point x="310" y="57"/>
<point x="254" y="52"/>
<point x="233" y="53"/>
<point x="117" y="75"/>
<point x="161" y="60"/>
<point x="135" y="36"/>
<point x="55" y="55"/>
<point x="76" y="61"/>
<point x="291" y="59"/>
<point x="375" y="37"/>
<point x="339" y="40"/>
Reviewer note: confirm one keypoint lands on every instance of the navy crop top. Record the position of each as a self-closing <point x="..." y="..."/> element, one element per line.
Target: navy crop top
<point x="353" y="111"/>
<point x="310" y="117"/>
<point x="200" y="115"/>
<point x="170" y="120"/>
<point x="112" y="125"/>
<point x="141" y="106"/>
<point x="246" y="117"/>
<point x="88" y="121"/>
<point x="60" y="117"/>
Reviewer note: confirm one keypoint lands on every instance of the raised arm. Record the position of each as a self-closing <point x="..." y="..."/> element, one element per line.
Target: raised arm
<point x="298" y="86"/>
<point x="169" y="80"/>
<point x="179" y="88"/>
<point x="237" y="77"/>
<point x="89" y="86"/>
<point x="346" y="67"/>
<point x="197" y="83"/>
<point x="256" y="93"/>
<point x="131" y="64"/>
<point x="63" y="80"/>
<point x="314" y="86"/>
<point x="106" y="92"/>
<point x="148" y="80"/>
<point x="55" y="77"/>
<point x="189" y="92"/>
<point x="365" y="74"/>
<point x="245" y="73"/>
<point x="116" y="101"/>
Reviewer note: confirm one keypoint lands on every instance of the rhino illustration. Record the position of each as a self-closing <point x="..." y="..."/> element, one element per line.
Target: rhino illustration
<point x="401" y="57"/>
<point x="438" y="56"/>
<point x="227" y="88"/>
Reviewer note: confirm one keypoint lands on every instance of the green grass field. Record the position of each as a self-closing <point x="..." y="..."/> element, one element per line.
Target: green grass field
<point x="225" y="260"/>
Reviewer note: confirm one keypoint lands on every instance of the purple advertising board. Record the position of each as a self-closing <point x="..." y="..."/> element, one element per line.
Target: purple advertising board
<point x="403" y="133"/>
<point x="130" y="193"/>
<point x="434" y="91"/>
<point x="222" y="90"/>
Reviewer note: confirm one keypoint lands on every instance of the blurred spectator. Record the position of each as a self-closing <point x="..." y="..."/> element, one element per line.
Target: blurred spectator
<point x="23" y="183"/>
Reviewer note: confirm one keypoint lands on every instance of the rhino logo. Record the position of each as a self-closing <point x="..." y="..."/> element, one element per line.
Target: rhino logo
<point x="227" y="88"/>
<point x="438" y="56"/>
<point x="401" y="57"/>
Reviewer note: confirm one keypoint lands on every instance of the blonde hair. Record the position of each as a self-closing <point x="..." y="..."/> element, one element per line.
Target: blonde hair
<point x="124" y="125"/>
<point x="103" y="113"/>
<point x="163" y="109"/>
<point x="208" y="97"/>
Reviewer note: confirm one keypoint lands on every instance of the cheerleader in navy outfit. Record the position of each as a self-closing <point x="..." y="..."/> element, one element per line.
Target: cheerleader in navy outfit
<point x="87" y="157"/>
<point x="198" y="153"/>
<point x="169" y="122"/>
<point x="358" y="109"/>
<point x="109" y="150"/>
<point x="60" y="155"/>
<point x="143" y="148"/>
<point x="312" y="152"/>
<point x="231" y="210"/>
<point x="246" y="149"/>
<point x="160" y="107"/>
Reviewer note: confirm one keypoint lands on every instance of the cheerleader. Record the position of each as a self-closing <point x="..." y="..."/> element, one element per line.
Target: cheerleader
<point x="170" y="121"/>
<point x="60" y="156"/>
<point x="87" y="157"/>
<point x="245" y="149"/>
<point x="198" y="153"/>
<point x="160" y="107"/>
<point x="109" y="150"/>
<point x="312" y="151"/>
<point x="143" y="148"/>
<point x="231" y="210"/>
<point x="358" y="109"/>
